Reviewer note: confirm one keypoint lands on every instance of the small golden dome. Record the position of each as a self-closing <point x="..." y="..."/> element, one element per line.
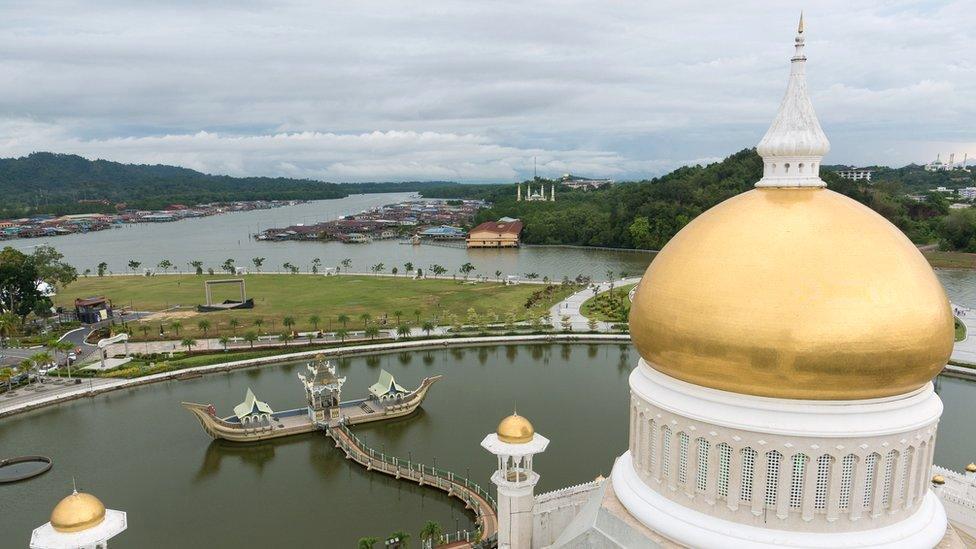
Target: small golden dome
<point x="938" y="479"/>
<point x="77" y="512"/>
<point x="793" y="293"/>
<point x="515" y="429"/>
<point x="971" y="468"/>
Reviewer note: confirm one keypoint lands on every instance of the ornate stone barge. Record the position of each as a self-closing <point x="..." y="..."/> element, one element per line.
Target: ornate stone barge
<point x="254" y="420"/>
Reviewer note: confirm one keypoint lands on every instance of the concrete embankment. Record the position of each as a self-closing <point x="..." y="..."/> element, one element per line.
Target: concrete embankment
<point x="85" y="390"/>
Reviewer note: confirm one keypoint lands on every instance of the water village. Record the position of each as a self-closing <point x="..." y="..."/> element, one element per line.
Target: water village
<point x="428" y="219"/>
<point x="42" y="225"/>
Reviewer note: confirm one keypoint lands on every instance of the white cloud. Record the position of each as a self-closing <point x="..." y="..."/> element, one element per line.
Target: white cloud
<point x="460" y="90"/>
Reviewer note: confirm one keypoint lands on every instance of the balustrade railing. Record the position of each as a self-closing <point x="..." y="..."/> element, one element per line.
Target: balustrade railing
<point x="440" y="478"/>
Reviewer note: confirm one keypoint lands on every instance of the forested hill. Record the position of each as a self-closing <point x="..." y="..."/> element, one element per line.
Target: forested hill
<point x="646" y="214"/>
<point x="55" y="183"/>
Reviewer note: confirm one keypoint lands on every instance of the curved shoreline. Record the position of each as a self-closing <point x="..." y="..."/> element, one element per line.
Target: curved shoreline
<point x="443" y="343"/>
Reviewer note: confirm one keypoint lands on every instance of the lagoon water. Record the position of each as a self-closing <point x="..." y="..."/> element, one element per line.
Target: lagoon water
<point x="140" y="452"/>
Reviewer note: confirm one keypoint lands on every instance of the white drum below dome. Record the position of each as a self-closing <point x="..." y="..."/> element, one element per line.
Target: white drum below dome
<point x="777" y="472"/>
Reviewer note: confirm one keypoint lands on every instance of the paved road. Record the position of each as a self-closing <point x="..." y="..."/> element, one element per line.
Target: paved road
<point x="571" y="306"/>
<point x="965" y="351"/>
<point x="14" y="355"/>
<point x="53" y="387"/>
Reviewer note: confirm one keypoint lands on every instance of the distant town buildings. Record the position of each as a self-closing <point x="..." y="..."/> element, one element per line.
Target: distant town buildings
<point x="938" y="166"/>
<point x="968" y="193"/>
<point x="855" y="174"/>
<point x="582" y="183"/>
<point x="424" y="219"/>
<point x="51" y="225"/>
<point x="503" y="233"/>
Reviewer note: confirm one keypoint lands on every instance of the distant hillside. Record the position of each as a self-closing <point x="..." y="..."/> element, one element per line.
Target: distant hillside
<point x="55" y="183"/>
<point x="646" y="214"/>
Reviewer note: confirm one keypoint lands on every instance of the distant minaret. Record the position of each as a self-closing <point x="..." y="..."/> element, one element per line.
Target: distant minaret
<point x="552" y="193"/>
<point x="952" y="159"/>
<point x="518" y="195"/>
<point x="535" y="170"/>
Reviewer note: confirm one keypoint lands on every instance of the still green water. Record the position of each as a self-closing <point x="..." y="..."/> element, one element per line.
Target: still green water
<point x="140" y="452"/>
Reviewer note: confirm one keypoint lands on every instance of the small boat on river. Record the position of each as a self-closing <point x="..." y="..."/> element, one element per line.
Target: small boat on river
<point x="255" y="420"/>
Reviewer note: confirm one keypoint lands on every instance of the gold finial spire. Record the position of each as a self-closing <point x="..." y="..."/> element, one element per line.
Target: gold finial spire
<point x="799" y="28"/>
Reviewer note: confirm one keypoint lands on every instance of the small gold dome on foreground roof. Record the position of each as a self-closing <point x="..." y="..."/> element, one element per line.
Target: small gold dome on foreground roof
<point x="515" y="429"/>
<point x="938" y="479"/>
<point x="79" y="511"/>
<point x="971" y="468"/>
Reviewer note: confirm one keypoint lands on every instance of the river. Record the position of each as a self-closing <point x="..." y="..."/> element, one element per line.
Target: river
<point x="216" y="238"/>
<point x="140" y="452"/>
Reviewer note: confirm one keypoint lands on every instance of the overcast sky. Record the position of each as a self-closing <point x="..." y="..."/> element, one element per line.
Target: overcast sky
<point x="362" y="90"/>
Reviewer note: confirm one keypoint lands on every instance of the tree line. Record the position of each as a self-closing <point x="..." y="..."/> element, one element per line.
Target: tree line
<point x="646" y="214"/>
<point x="60" y="184"/>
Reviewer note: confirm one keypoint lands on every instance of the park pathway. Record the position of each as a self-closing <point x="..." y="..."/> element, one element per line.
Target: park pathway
<point x="571" y="306"/>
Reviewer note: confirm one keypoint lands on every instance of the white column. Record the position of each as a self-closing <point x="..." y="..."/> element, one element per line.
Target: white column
<point x="856" y="506"/>
<point x="735" y="479"/>
<point x="833" y="492"/>
<point x="759" y="483"/>
<point x="897" y="475"/>
<point x="811" y="469"/>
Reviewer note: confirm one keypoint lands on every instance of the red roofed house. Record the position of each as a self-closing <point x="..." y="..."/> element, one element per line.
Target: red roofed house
<point x="503" y="233"/>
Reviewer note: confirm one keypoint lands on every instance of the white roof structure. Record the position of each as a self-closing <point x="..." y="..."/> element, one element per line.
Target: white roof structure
<point x="251" y="405"/>
<point x="386" y="386"/>
<point x="46" y="537"/>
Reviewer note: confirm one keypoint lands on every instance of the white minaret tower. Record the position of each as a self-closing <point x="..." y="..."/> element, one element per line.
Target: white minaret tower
<point x="79" y="521"/>
<point x="518" y="194"/>
<point x="514" y="443"/>
<point x="552" y="193"/>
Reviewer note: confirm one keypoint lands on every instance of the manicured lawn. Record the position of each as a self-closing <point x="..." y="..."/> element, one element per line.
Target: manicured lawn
<point x="606" y="307"/>
<point x="960" y="330"/>
<point x="301" y="296"/>
<point x="950" y="260"/>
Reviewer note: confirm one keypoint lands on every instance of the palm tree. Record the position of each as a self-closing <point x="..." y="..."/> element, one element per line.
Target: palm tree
<point x="498" y="275"/>
<point x="251" y="337"/>
<point x="343" y="318"/>
<point x="365" y="317"/>
<point x="176" y="325"/>
<point x="416" y="313"/>
<point x="197" y="266"/>
<point x="285" y="337"/>
<point x="288" y="322"/>
<point x="258" y="322"/>
<point x="26" y="366"/>
<point x="403" y="330"/>
<point x="7" y="374"/>
<point x="404" y="537"/>
<point x="466" y="269"/>
<point x="367" y="542"/>
<point x="342" y="333"/>
<point x="346" y="263"/>
<point x="371" y="332"/>
<point x="66" y="347"/>
<point x="204" y="325"/>
<point x="431" y="533"/>
<point x="394" y="270"/>
<point x="8" y="322"/>
<point x="314" y="321"/>
<point x="188" y="342"/>
<point x="398" y="314"/>
<point x="428" y="327"/>
<point x="224" y="340"/>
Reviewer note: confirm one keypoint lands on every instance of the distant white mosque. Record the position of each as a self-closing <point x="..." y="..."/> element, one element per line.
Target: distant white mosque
<point x="938" y="165"/>
<point x="539" y="195"/>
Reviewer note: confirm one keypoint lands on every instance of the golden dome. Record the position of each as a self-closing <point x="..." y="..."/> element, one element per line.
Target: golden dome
<point x="971" y="468"/>
<point x="938" y="479"/>
<point x="797" y="293"/>
<point x="515" y="429"/>
<point x="77" y="512"/>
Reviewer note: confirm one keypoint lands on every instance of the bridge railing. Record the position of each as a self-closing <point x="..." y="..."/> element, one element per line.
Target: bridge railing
<point x="441" y="478"/>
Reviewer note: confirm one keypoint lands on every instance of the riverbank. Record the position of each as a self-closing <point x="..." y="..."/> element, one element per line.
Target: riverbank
<point x="305" y="302"/>
<point x="950" y="260"/>
<point x="89" y="388"/>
